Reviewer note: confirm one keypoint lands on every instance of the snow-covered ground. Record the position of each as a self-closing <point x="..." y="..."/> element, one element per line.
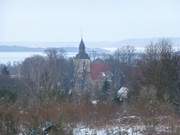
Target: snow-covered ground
<point x="124" y="130"/>
<point x="123" y="126"/>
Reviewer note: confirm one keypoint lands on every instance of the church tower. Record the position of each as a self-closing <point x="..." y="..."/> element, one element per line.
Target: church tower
<point x="82" y="67"/>
<point x="82" y="51"/>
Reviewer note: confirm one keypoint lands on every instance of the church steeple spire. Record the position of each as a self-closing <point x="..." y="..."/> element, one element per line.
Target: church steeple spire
<point x="82" y="51"/>
<point x="82" y="46"/>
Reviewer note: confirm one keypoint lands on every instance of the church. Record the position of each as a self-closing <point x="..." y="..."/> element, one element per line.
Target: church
<point x="88" y="72"/>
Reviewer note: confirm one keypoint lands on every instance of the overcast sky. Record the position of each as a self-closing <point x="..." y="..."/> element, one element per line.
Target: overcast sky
<point x="96" y="20"/>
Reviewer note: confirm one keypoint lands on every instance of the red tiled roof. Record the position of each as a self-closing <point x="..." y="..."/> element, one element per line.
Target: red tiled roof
<point x="97" y="69"/>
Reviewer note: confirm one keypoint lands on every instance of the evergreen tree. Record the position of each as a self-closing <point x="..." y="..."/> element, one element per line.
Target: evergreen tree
<point x="105" y="90"/>
<point x="5" y="71"/>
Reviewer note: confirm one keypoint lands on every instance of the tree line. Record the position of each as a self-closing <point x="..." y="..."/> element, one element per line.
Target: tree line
<point x="42" y="90"/>
<point x="52" y="77"/>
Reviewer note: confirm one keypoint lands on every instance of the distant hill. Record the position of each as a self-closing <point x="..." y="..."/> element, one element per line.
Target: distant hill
<point x="72" y="46"/>
<point x="142" y="42"/>
<point x="7" y="48"/>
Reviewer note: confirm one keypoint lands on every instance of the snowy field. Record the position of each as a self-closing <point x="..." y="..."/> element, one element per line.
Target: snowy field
<point x="124" y="130"/>
<point x="15" y="57"/>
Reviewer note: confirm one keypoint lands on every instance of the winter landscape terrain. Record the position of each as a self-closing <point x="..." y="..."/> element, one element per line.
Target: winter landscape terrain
<point x="89" y="67"/>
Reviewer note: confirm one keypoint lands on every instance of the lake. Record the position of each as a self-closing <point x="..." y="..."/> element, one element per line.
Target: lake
<point x="13" y="57"/>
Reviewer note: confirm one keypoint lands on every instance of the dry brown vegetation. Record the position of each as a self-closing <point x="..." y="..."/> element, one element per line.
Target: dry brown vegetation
<point x="66" y="116"/>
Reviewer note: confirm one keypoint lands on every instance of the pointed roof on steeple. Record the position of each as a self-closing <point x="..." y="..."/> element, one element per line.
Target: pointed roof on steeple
<point x="82" y="51"/>
<point x="82" y="45"/>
